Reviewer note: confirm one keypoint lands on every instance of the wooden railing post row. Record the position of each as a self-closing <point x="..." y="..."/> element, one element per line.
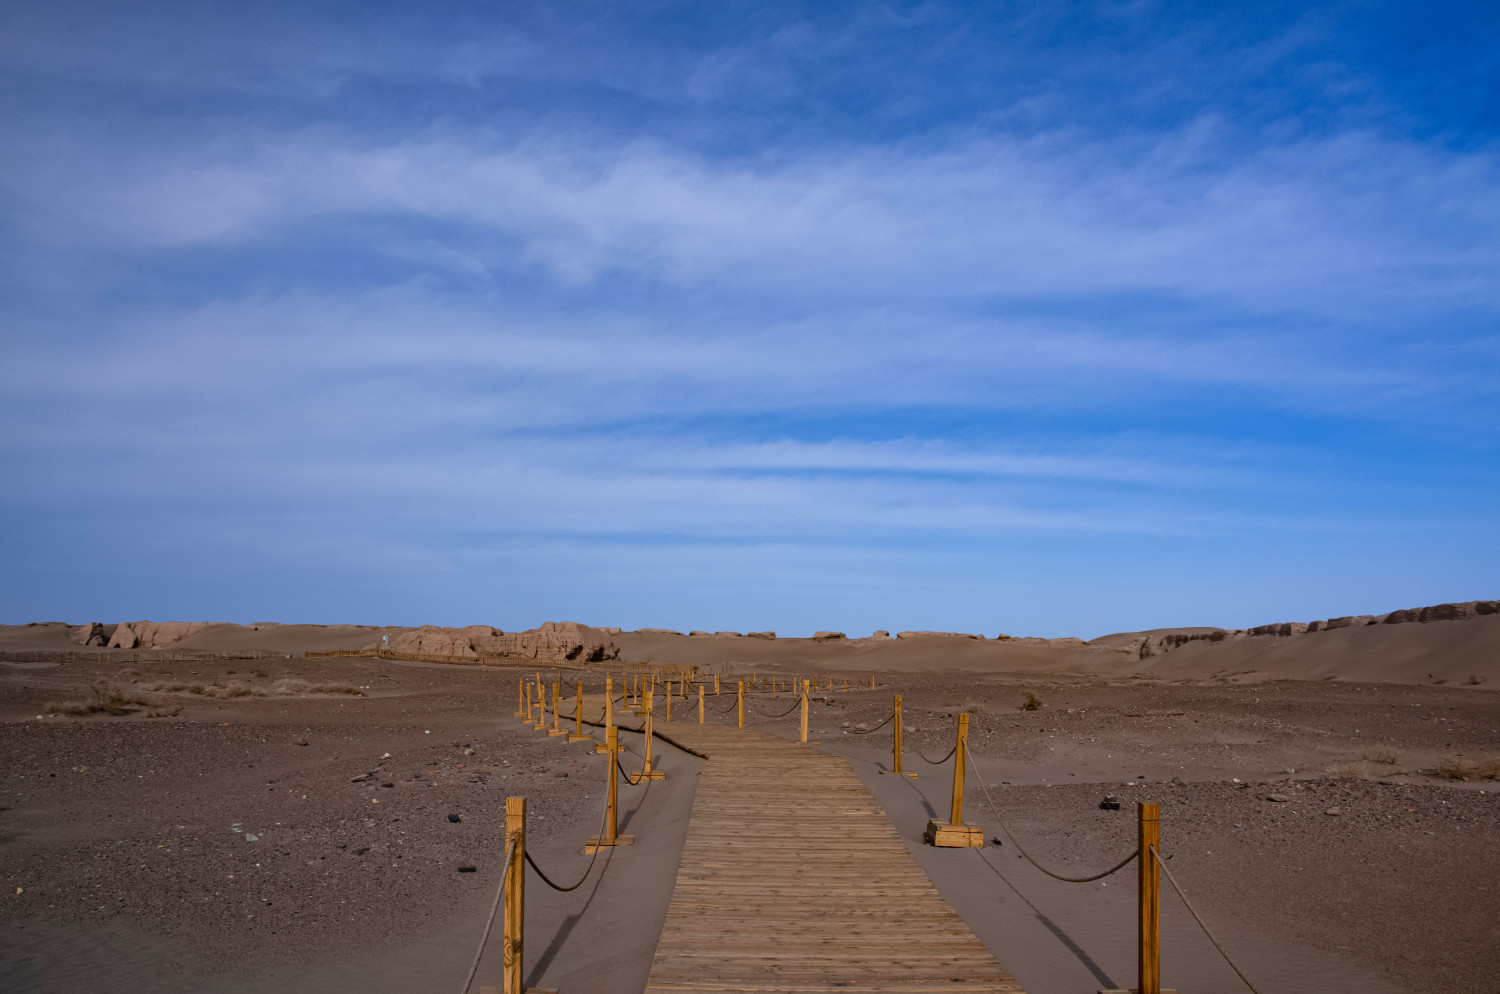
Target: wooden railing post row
<point x="1149" y="976"/>
<point x="513" y="949"/>
<point x="520" y="697"/>
<point x="804" y="710"/>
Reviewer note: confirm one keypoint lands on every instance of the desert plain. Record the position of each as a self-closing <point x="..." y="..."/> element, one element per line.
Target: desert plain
<point x="207" y="808"/>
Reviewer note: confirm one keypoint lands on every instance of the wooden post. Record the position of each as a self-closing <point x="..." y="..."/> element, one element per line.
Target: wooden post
<point x="741" y="704"/>
<point x="896" y="749"/>
<point x="669" y="701"/>
<point x="515" y="894"/>
<point x="520" y="697"/>
<point x="1149" y="820"/>
<point x="577" y="734"/>
<point x="611" y="836"/>
<point x="700" y="703"/>
<point x="960" y="759"/>
<point x="955" y="834"/>
<point x="528" y="701"/>
<point x="556" y="728"/>
<point x="646" y="772"/>
<point x="716" y="685"/>
<point x="804" y="710"/>
<point x="609" y="712"/>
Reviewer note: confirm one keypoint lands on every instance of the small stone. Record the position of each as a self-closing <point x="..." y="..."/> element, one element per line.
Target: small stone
<point x="390" y="785"/>
<point x="1278" y="798"/>
<point x="562" y="776"/>
<point x="468" y="869"/>
<point x="1111" y="802"/>
<point x="1333" y="811"/>
<point x="453" y="819"/>
<point x="299" y="741"/>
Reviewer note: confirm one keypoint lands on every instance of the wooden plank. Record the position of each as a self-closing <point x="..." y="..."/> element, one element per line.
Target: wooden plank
<point x="793" y="881"/>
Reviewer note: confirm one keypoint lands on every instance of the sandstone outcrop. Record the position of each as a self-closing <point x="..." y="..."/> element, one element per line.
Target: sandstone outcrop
<point x="657" y="631"/>
<point x="933" y="635"/>
<point x="153" y="634"/>
<point x="554" y="641"/>
<point x="90" y="634"/>
<point x="1287" y="629"/>
<point x="827" y="636"/>
<point x="760" y="635"/>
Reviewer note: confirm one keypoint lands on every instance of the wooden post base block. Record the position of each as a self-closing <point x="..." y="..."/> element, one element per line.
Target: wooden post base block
<point x="640" y="775"/>
<point x="946" y="836"/>
<point x="554" y="732"/>
<point x="575" y="737"/>
<point x="600" y="748"/>
<point x="597" y="842"/>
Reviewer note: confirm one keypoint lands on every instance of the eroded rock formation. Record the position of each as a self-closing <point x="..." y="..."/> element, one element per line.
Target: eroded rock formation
<point x="153" y="634"/>
<point x="554" y="641"/>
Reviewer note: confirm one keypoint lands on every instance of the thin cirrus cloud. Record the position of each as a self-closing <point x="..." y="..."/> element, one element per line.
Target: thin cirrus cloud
<point x="835" y="300"/>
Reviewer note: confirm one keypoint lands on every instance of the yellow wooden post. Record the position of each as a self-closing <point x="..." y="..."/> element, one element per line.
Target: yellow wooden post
<point x="556" y="728"/>
<point x="577" y="734"/>
<point x="960" y="759"/>
<point x="773" y="688"/>
<point x="611" y="835"/>
<point x="513" y="950"/>
<point x="646" y="772"/>
<point x="528" y="702"/>
<point x="741" y="704"/>
<point x="609" y="711"/>
<point x="716" y="685"/>
<point x="896" y="749"/>
<point x="700" y="703"/>
<point x="520" y="697"/>
<point x="955" y="834"/>
<point x="1149" y="820"/>
<point x="804" y="710"/>
<point x="669" y="701"/>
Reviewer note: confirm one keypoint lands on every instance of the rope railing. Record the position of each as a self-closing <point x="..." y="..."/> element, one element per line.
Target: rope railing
<point x="1197" y="918"/>
<point x="866" y="731"/>
<point x="935" y="762"/>
<point x="762" y="714"/>
<point x="484" y="939"/>
<point x="995" y="813"/>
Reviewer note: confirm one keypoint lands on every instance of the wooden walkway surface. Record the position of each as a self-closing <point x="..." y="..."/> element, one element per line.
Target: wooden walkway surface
<point x="794" y="880"/>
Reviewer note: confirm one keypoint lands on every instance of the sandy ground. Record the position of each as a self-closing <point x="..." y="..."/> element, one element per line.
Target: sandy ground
<point x="126" y="851"/>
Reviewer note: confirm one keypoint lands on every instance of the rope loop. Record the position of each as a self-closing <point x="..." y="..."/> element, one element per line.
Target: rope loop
<point x="867" y="731"/>
<point x="1056" y="876"/>
<point x="938" y="762"/>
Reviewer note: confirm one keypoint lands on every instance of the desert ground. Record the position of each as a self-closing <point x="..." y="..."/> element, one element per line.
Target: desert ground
<point x="288" y="823"/>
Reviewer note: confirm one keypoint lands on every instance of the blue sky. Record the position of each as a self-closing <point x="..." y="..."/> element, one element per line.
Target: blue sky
<point x="1051" y="318"/>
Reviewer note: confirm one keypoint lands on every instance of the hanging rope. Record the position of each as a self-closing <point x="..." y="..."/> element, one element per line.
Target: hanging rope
<point x="782" y="714"/>
<point x="867" y="731"/>
<point x="490" y="922"/>
<point x="938" y="762"/>
<point x="1004" y="828"/>
<point x="1194" y="912"/>
<point x="603" y="817"/>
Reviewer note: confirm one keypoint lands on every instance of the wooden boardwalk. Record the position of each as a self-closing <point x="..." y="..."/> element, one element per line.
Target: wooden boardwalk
<point x="794" y="880"/>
